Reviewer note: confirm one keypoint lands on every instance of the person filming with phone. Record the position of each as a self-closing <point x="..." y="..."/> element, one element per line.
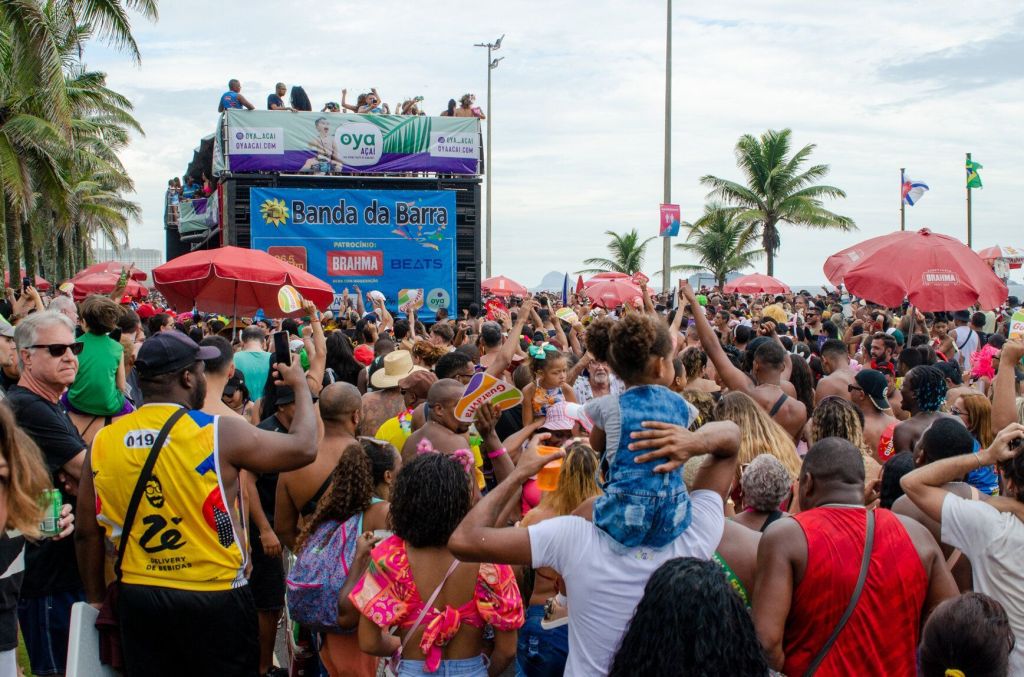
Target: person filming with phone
<point x="180" y="586"/>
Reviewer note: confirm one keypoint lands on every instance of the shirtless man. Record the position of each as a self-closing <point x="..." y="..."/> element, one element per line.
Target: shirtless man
<point x="298" y="491"/>
<point x="868" y="394"/>
<point x="444" y="431"/>
<point x="776" y="397"/>
<point x="835" y="361"/>
<point x="386" y="400"/>
<point x="922" y="393"/>
<point x="941" y="340"/>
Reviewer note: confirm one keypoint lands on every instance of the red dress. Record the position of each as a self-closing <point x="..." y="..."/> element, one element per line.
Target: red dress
<point x="882" y="634"/>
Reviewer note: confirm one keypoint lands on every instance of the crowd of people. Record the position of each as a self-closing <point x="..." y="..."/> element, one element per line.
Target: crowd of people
<point x="705" y="484"/>
<point x="369" y="103"/>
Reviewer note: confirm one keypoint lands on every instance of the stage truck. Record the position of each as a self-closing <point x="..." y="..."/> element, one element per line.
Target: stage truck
<point x="385" y="202"/>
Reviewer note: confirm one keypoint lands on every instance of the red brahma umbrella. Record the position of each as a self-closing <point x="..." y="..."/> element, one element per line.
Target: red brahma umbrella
<point x="756" y="283"/>
<point x="500" y="285"/>
<point x="935" y="272"/>
<point x="114" y="267"/>
<point x="104" y="283"/>
<point x="604" y="277"/>
<point x="613" y="293"/>
<point x="235" y="281"/>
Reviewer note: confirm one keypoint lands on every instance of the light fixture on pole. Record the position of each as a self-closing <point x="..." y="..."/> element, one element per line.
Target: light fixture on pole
<point x="491" y="65"/>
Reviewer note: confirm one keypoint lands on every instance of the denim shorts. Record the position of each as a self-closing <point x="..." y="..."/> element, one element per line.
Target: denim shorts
<point x="457" y="667"/>
<point x="45" y="623"/>
<point x="540" y="652"/>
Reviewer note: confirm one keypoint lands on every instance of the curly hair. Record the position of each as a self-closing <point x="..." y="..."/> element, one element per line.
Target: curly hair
<point x="717" y="636"/>
<point x="929" y="386"/>
<point x="630" y="344"/>
<point x="349" y="493"/>
<point x="836" y="417"/>
<point x="382" y="457"/>
<point x="427" y="353"/>
<point x="694" y="361"/>
<point x="1013" y="471"/>
<point x="577" y="480"/>
<point x="704" y="403"/>
<point x="430" y="497"/>
<point x="759" y="434"/>
<point x="979" y="417"/>
<point x="970" y="633"/>
<point x="765" y="483"/>
<point x="27" y="476"/>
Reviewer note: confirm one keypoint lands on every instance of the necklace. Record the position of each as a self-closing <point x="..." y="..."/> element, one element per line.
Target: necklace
<point x="841" y="505"/>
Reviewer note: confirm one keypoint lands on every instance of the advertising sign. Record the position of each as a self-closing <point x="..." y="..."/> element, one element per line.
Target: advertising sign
<point x="325" y="143"/>
<point x="670" y="217"/>
<point x="378" y="239"/>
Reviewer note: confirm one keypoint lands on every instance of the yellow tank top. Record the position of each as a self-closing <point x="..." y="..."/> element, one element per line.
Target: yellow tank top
<point x="184" y="535"/>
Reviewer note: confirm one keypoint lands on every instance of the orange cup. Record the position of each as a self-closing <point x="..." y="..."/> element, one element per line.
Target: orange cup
<point x="547" y="478"/>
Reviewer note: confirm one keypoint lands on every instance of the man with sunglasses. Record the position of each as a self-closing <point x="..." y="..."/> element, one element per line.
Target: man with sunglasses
<point x="47" y="356"/>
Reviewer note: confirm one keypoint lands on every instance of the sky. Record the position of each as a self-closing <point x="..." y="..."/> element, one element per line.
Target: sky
<point x="578" y="105"/>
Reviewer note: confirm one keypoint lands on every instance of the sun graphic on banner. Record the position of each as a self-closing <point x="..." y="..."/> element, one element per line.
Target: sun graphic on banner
<point x="274" y="212"/>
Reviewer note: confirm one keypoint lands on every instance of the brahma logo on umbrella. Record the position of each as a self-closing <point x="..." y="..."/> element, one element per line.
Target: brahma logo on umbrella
<point x="939" y="277"/>
<point x="274" y="212"/>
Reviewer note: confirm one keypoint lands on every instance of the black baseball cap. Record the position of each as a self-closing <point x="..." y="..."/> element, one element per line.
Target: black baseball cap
<point x="284" y="395"/>
<point x="169" y="351"/>
<point x="874" y="384"/>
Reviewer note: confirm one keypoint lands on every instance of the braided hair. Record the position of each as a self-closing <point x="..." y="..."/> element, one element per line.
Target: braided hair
<point x="349" y="494"/>
<point x="929" y="386"/>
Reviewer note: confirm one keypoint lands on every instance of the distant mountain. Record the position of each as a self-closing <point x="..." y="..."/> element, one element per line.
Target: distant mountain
<point x="553" y="282"/>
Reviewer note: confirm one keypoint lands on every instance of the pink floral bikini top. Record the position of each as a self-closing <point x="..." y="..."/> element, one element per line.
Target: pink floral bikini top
<point x="387" y="595"/>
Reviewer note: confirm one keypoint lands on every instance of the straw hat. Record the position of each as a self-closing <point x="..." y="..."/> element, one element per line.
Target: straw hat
<point x="397" y="365"/>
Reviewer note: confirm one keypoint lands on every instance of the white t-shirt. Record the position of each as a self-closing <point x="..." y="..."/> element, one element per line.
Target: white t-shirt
<point x="605" y="585"/>
<point x="966" y="345"/>
<point x="993" y="541"/>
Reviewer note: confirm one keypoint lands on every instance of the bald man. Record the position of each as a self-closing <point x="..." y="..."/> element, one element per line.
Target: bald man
<point x="445" y="432"/>
<point x="299" y="490"/>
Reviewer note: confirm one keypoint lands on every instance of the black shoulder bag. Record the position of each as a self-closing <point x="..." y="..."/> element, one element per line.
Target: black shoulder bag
<point x="107" y="622"/>
<point x="869" y="542"/>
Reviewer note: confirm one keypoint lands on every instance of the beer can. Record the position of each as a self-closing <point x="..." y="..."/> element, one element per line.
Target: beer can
<point x="52" y="502"/>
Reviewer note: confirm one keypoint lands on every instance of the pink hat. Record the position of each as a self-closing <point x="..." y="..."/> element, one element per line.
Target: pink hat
<point x="363" y="354"/>
<point x="575" y="412"/>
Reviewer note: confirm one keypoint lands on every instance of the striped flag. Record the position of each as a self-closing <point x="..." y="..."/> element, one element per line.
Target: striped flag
<point x="913" y="190"/>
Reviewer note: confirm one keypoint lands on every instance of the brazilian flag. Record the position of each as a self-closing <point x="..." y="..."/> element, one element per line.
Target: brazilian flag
<point x="973" y="177"/>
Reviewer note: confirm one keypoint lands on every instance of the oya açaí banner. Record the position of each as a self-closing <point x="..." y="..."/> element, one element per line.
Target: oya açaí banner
<point x="385" y="240"/>
<point x="322" y="143"/>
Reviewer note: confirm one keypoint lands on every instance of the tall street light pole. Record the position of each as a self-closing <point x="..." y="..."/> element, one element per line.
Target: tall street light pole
<point x="491" y="65"/>
<point x="666" y="252"/>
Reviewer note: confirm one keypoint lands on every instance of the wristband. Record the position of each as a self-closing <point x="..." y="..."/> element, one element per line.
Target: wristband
<point x="497" y="453"/>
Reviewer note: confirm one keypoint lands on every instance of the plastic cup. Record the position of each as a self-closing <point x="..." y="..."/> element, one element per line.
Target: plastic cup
<point x="547" y="478"/>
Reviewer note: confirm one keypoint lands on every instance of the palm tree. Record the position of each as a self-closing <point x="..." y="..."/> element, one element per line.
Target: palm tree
<point x="627" y="253"/>
<point x="721" y="243"/>
<point x="778" y="189"/>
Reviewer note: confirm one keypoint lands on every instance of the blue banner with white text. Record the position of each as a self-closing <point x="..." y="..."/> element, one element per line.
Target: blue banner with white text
<point x="377" y="239"/>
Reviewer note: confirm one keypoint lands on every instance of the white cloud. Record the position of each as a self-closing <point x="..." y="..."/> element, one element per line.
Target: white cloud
<point x="578" y="107"/>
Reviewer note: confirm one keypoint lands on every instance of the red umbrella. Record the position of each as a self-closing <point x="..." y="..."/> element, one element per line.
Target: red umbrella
<point x="235" y="281"/>
<point x="1013" y="256"/>
<point x="502" y="286"/>
<point x="40" y="283"/>
<point x="114" y="267"/>
<point x="579" y="284"/>
<point x="608" y="275"/>
<point x="104" y="283"/>
<point x="756" y="283"/>
<point x="933" y="271"/>
<point x="612" y="293"/>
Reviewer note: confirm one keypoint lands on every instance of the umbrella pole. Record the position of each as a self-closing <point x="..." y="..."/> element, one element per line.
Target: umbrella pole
<point x="234" y="313"/>
<point x="910" y="327"/>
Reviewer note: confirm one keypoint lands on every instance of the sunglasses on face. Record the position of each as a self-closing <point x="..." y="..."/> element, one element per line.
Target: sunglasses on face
<point x="58" y="349"/>
<point x="850" y="388"/>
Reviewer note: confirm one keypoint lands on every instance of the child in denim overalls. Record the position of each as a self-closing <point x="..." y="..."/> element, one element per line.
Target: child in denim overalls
<point x="639" y="507"/>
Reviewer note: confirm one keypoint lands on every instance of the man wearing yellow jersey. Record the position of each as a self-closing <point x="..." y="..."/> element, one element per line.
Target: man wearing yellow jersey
<point x="184" y="603"/>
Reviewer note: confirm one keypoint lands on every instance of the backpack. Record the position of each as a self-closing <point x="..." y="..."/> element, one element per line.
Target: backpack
<point x="320" y="572"/>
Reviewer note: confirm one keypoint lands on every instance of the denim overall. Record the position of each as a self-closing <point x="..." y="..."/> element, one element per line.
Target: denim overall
<point x="639" y="507"/>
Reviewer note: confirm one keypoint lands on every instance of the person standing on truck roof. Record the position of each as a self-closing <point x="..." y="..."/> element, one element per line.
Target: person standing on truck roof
<point x="233" y="97"/>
